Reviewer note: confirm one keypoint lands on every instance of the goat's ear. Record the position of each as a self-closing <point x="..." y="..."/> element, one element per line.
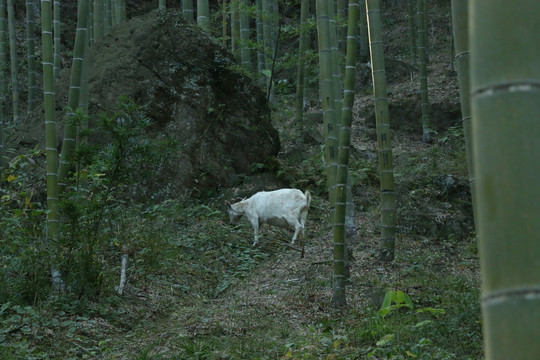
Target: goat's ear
<point x="228" y="204"/>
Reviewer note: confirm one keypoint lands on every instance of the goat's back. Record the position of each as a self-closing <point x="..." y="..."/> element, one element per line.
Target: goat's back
<point x="279" y="202"/>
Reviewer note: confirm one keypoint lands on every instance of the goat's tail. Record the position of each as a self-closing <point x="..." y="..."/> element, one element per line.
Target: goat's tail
<point x="308" y="198"/>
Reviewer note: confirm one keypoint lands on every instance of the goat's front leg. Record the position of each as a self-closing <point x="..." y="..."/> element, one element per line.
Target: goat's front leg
<point x="255" y="224"/>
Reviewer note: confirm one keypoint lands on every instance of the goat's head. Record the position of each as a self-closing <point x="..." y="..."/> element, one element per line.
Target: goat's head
<point x="234" y="212"/>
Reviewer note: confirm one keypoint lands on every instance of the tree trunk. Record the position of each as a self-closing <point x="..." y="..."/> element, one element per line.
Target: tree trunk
<point x="422" y="64"/>
<point x="70" y="129"/>
<point x="3" y="52"/>
<point x="53" y="223"/>
<point x="245" y="51"/>
<point x="98" y="19"/>
<point x="235" y="30"/>
<point x="505" y="89"/>
<point x="203" y="14"/>
<point x="337" y="68"/>
<point x="31" y="56"/>
<point x="3" y="80"/>
<point x="261" y="58"/>
<point x="57" y="38"/>
<point x="302" y="48"/>
<point x="412" y="31"/>
<point x="268" y="38"/>
<point x="340" y="244"/>
<point x="108" y="17"/>
<point x="187" y="9"/>
<point x="326" y="95"/>
<point x="460" y="17"/>
<point x="13" y="60"/>
<point x="386" y="168"/>
<point x="363" y="34"/>
<point x="341" y="29"/>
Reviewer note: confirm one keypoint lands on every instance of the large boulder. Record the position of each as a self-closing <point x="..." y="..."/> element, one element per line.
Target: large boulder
<point x="190" y="86"/>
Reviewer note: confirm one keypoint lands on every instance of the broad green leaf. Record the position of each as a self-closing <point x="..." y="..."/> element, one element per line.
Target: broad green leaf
<point x="433" y="311"/>
<point x="402" y="298"/>
<point x="422" y="323"/>
<point x="386" y="340"/>
<point x="388" y="299"/>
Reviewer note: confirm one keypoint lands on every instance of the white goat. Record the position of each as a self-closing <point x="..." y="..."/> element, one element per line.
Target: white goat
<point x="286" y="208"/>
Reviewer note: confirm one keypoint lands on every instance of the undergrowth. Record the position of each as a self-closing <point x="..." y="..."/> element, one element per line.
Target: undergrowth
<point x="176" y="249"/>
<point x="182" y="255"/>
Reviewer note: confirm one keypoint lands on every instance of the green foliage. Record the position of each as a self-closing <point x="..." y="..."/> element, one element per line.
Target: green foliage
<point x="394" y="300"/>
<point x="93" y="205"/>
<point x="395" y="331"/>
<point x="23" y="270"/>
<point x="309" y="174"/>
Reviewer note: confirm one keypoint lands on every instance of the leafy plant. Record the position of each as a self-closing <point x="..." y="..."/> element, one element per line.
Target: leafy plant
<point x="394" y="300"/>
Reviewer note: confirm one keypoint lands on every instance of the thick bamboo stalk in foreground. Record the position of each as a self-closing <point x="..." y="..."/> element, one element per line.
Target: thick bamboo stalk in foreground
<point x="505" y="88"/>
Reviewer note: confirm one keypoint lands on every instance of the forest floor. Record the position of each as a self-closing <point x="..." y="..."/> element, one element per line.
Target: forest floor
<point x="282" y="307"/>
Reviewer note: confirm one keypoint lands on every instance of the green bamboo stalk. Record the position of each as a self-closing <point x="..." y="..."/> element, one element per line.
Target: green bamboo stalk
<point x="91" y="22"/>
<point x="123" y="11"/>
<point x="187" y="9"/>
<point x="302" y="48"/>
<point x="2" y="137"/>
<point x="162" y="4"/>
<point x="15" y="95"/>
<point x="98" y="19"/>
<point x="108" y="17"/>
<point x="53" y="224"/>
<point x="31" y="56"/>
<point x="3" y="80"/>
<point x="275" y="19"/>
<point x="3" y="51"/>
<point x="203" y="14"/>
<point x="70" y="129"/>
<point x="460" y="17"/>
<point x="235" y="29"/>
<point x="114" y="12"/>
<point x="337" y="68"/>
<point x="384" y="143"/>
<point x="57" y="37"/>
<point x="84" y="95"/>
<point x="326" y="94"/>
<point x="340" y="245"/>
<point x="224" y="23"/>
<point x="269" y="30"/>
<point x="505" y="88"/>
<point x="422" y="64"/>
<point x="245" y="50"/>
<point x="341" y="29"/>
<point x="412" y="30"/>
<point x="363" y="34"/>
<point x="261" y="59"/>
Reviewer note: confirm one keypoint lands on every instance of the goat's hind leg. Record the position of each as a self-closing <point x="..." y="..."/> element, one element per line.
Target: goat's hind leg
<point x="298" y="230"/>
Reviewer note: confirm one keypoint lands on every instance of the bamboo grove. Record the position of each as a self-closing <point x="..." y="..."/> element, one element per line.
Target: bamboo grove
<point x="337" y="48"/>
<point x="498" y="102"/>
